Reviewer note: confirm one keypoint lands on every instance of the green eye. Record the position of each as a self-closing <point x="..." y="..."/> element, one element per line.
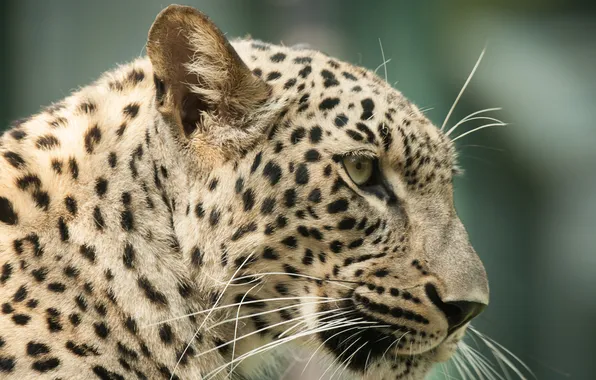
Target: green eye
<point x="359" y="168"/>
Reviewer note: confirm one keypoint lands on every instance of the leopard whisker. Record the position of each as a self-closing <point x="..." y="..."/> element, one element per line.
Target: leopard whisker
<point x="479" y="128"/>
<point x="341" y="354"/>
<point x="501" y="354"/>
<point x="463" y="89"/>
<point x="271" y="345"/>
<point x="208" y="315"/>
<point x="465" y="119"/>
<point x="272" y="311"/>
<point x="349" y="360"/>
<point x="232" y="305"/>
<point x="472" y="119"/>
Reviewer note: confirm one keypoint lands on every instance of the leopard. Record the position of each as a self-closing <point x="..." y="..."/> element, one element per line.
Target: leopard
<point x="215" y="205"/>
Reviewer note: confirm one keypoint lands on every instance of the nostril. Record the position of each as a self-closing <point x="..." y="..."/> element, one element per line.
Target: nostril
<point x="458" y="313"/>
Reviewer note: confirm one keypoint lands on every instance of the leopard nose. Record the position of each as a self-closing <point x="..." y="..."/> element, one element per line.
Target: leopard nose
<point x="458" y="313"/>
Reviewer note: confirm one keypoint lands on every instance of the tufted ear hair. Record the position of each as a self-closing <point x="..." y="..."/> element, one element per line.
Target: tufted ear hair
<point x="200" y="80"/>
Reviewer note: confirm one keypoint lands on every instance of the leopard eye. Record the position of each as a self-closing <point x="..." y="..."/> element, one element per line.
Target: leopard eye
<point x="359" y="168"/>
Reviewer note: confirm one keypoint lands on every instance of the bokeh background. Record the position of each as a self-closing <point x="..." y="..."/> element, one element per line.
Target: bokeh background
<point x="528" y="196"/>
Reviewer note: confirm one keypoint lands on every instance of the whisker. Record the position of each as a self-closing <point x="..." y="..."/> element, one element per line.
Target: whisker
<point x="470" y="116"/>
<point x="463" y="89"/>
<point x="274" y="344"/>
<point x="479" y="128"/>
<point x="340" y="355"/>
<point x="348" y="361"/>
<point x="232" y="305"/>
<point x="208" y="315"/>
<point x="385" y="62"/>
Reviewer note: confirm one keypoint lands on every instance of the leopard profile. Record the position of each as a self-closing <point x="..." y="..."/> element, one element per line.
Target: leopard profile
<point x="194" y="210"/>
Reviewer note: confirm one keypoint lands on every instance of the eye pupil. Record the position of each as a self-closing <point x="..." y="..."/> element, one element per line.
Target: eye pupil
<point x="359" y="165"/>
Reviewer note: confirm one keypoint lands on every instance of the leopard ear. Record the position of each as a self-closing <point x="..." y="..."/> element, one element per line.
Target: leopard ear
<point x="198" y="74"/>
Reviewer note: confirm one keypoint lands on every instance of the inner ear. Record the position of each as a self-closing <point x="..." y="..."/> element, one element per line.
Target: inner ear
<point x="190" y="112"/>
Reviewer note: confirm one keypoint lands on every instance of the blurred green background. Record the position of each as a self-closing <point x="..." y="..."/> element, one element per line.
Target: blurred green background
<point x="528" y="197"/>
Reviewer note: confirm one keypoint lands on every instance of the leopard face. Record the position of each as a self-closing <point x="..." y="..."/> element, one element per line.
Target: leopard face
<point x="217" y="202"/>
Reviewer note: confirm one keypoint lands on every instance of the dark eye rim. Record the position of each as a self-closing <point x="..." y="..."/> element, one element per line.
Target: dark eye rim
<point x="377" y="185"/>
<point x="376" y="178"/>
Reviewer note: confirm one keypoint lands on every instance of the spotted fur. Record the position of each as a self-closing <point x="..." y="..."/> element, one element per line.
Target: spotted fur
<point x="209" y="174"/>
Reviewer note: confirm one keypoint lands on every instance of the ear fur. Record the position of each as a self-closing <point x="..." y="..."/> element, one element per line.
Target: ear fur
<point x="201" y="82"/>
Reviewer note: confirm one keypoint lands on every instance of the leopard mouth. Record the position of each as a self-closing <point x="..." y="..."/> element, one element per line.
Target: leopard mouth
<point x="368" y="341"/>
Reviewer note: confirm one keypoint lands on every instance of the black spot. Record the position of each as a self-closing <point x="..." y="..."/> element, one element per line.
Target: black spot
<point x="305" y="71"/>
<point x="47" y="142"/>
<point x="36" y="349"/>
<point x="346" y="224"/>
<point x="98" y="219"/>
<point x="339" y="205"/>
<point x="7" y="213"/>
<point x="330" y="79"/>
<point x="197" y="257"/>
<point x="92" y="138"/>
<point x="18" y="134"/>
<point x="112" y="159"/>
<point x="21" y="319"/>
<point x="69" y="271"/>
<point x="290" y="198"/>
<point x="278" y="57"/>
<point x="214" y="217"/>
<point x="103" y="374"/>
<point x="199" y="210"/>
<point x="355" y="135"/>
<point x="336" y="246"/>
<point x="7" y="363"/>
<point x="256" y="162"/>
<point x="81" y="349"/>
<point x="101" y="186"/>
<point x="312" y="155"/>
<point x="315" y="196"/>
<point x="7" y="308"/>
<point x="273" y="172"/>
<point x="315" y="134"/>
<point x="128" y="257"/>
<point x="71" y="205"/>
<point x="302" y="60"/>
<point x="248" y="199"/>
<point x="165" y="334"/>
<point x="121" y="129"/>
<point x="42" y="199"/>
<point x="88" y="252"/>
<point x="131" y="110"/>
<point x="29" y="180"/>
<point x="290" y="83"/>
<point x="151" y="293"/>
<point x="74" y="319"/>
<point x="270" y="253"/>
<point x="127" y="220"/>
<point x="273" y="75"/>
<point x="368" y="107"/>
<point x="308" y="257"/>
<point x="74" y="168"/>
<point x="341" y="120"/>
<point x="302" y="175"/>
<point x="39" y="274"/>
<point x="20" y="294"/>
<point x="53" y="319"/>
<point x="290" y="242"/>
<point x="131" y="325"/>
<point x="14" y="159"/>
<point x="268" y="205"/>
<point x="213" y="184"/>
<point x="57" y="166"/>
<point x="45" y="365"/>
<point x="349" y="76"/>
<point x="297" y="135"/>
<point x="101" y="329"/>
<point x="63" y="228"/>
<point x="328" y="103"/>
